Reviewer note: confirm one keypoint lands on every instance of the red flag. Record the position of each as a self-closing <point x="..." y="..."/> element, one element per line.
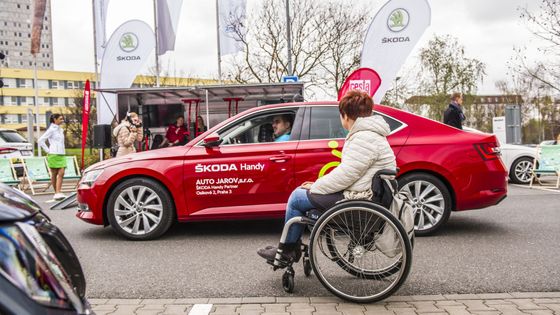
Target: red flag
<point x="364" y="79"/>
<point x="85" y="118"/>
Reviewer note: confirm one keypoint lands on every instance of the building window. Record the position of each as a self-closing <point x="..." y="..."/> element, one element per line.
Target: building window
<point x="23" y="119"/>
<point x="11" y="119"/>
<point x="19" y="6"/>
<point x="43" y="84"/>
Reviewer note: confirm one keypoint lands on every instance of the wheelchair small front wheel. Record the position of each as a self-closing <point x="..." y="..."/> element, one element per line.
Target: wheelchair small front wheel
<point x="306" y="266"/>
<point x="288" y="281"/>
<point x="360" y="252"/>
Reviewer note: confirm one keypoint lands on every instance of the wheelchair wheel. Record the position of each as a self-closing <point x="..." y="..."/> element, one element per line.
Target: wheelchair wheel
<point x="360" y="252"/>
<point x="288" y="281"/>
<point x="306" y="267"/>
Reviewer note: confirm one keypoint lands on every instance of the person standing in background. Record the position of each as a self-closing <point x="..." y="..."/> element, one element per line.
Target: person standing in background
<point x="453" y="115"/>
<point x="127" y="132"/>
<point x="56" y="151"/>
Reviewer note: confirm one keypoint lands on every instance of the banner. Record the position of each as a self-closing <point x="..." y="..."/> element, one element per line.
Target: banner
<point x="38" y="18"/>
<point x="364" y="79"/>
<point x="231" y="17"/>
<point x="100" y="20"/>
<point x="85" y="118"/>
<point x="126" y="53"/>
<point x="168" y="12"/>
<point x="392" y="34"/>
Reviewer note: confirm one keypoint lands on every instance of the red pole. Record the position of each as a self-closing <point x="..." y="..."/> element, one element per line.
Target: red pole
<point x="196" y="133"/>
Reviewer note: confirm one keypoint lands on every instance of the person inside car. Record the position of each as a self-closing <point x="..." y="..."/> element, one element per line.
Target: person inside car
<point x="365" y="152"/>
<point x="282" y="127"/>
<point x="176" y="133"/>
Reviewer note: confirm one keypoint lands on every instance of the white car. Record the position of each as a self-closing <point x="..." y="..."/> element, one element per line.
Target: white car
<point x="518" y="160"/>
<point x="14" y="146"/>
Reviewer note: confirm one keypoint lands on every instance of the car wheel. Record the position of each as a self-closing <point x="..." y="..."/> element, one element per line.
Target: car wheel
<point x="431" y="201"/>
<point x="520" y="171"/>
<point x="140" y="209"/>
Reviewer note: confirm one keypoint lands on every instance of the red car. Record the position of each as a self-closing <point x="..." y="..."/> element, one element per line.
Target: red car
<point x="236" y="171"/>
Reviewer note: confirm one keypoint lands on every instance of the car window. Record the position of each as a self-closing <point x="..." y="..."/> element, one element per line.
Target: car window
<point x="11" y="136"/>
<point x="393" y="123"/>
<point x="325" y="123"/>
<point x="260" y="128"/>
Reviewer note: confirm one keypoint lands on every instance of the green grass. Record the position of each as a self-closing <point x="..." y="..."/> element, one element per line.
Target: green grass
<point x="90" y="157"/>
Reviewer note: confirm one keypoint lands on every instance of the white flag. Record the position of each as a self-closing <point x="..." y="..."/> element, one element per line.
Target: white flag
<point x="100" y="19"/>
<point x="394" y="31"/>
<point x="168" y="12"/>
<point x="126" y="53"/>
<point x="231" y="19"/>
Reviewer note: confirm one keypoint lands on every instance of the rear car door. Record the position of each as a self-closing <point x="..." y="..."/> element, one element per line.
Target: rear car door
<point x="322" y="140"/>
<point x="248" y="175"/>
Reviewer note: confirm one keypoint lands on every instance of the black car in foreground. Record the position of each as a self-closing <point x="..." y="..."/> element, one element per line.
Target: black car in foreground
<point x="39" y="270"/>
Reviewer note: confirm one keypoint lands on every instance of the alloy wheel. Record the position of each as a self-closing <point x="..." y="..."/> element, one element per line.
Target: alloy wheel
<point x="138" y="210"/>
<point x="428" y="203"/>
<point x="522" y="171"/>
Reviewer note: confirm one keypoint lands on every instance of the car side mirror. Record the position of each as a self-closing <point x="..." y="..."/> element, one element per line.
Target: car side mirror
<point x="212" y="140"/>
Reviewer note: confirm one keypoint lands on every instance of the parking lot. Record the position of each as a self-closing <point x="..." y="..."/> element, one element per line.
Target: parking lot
<point x="512" y="247"/>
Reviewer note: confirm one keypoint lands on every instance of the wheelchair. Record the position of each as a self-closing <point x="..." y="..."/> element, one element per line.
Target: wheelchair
<point x="358" y="249"/>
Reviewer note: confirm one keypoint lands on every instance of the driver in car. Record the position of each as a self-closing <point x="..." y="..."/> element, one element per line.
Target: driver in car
<point x="282" y="127"/>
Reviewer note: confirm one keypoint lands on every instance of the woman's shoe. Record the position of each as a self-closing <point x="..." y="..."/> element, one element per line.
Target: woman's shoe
<point x="291" y="252"/>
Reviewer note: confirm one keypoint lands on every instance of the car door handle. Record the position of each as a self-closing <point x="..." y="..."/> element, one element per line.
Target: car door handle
<point x="280" y="158"/>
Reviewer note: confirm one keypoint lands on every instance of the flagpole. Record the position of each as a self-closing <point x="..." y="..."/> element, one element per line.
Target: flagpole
<point x="157" y="42"/>
<point x="101" y="155"/>
<point x="218" y="39"/>
<point x="289" y="38"/>
<point x="36" y="99"/>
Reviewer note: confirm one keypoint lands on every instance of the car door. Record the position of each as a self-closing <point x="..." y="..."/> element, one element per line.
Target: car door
<point x="322" y="140"/>
<point x="248" y="175"/>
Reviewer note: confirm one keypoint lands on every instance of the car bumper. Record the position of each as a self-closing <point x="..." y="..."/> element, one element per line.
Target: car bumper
<point x="90" y="205"/>
<point x="483" y="188"/>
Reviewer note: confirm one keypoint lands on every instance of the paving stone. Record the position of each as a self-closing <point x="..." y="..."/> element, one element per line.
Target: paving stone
<point x="327" y="313"/>
<point x="497" y="302"/>
<point x="152" y="307"/>
<point x="555" y="307"/>
<point x="398" y="299"/>
<point x="486" y="313"/>
<point x="300" y="307"/>
<point x="347" y="306"/>
<point x="157" y="301"/>
<point x="526" y="304"/>
<point x="294" y="299"/>
<point x="223" y="309"/>
<point x="461" y="296"/>
<point x="380" y="312"/>
<point x="126" y="309"/>
<point x="375" y="308"/>
<point x="104" y="307"/>
<point x="437" y="297"/>
<point x="546" y="300"/>
<point x="224" y="301"/>
<point x="403" y="311"/>
<point x="455" y="310"/>
<point x="103" y="312"/>
<point x="426" y="307"/>
<point x="250" y="312"/>
<point x="535" y="295"/>
<point x="190" y="301"/>
<point x="325" y="299"/>
<point x="257" y="300"/>
<point x="147" y="312"/>
<point x="508" y="309"/>
<point x="540" y="312"/>
<point x="448" y="303"/>
<point x="274" y="308"/>
<point x="277" y="313"/>
<point x="250" y="307"/>
<point x="326" y="308"/>
<point x="397" y="305"/>
<point x="299" y="313"/>
<point x="494" y="296"/>
<point x="476" y="305"/>
<point x="175" y="309"/>
<point x="124" y="301"/>
<point x="352" y="311"/>
<point x="97" y="301"/>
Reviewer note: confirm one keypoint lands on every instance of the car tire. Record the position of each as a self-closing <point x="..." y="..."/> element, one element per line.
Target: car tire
<point x="431" y="201"/>
<point x="520" y="171"/>
<point x="140" y="209"/>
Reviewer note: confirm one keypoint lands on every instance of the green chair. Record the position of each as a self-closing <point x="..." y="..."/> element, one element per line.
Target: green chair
<point x="36" y="173"/>
<point x="8" y="173"/>
<point x="71" y="174"/>
<point x="547" y="163"/>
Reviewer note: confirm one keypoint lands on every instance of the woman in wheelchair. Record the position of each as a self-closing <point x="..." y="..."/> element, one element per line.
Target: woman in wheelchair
<point x="365" y="152"/>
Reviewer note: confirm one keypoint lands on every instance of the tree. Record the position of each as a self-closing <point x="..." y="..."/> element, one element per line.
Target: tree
<point x="446" y="69"/>
<point x="327" y="37"/>
<point x="74" y="118"/>
<point x="544" y="24"/>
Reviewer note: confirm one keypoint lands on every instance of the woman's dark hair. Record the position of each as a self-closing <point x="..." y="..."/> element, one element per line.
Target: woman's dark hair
<point x="54" y="117"/>
<point x="356" y="104"/>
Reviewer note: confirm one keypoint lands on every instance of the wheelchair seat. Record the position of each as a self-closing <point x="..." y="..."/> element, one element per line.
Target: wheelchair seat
<point x="313" y="214"/>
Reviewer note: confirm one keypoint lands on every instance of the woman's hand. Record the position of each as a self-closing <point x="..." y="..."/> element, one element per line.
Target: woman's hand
<point x="306" y="185"/>
<point x="132" y="128"/>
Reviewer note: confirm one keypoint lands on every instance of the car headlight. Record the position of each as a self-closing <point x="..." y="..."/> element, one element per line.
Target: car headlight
<point x="90" y="177"/>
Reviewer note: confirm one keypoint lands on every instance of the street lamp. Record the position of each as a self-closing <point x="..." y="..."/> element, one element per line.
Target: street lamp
<point x="396" y="91"/>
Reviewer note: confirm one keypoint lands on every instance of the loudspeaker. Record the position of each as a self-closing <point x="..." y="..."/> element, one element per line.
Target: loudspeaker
<point x="102" y="136"/>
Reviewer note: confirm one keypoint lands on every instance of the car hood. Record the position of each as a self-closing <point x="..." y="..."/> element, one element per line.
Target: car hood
<point x="15" y="205"/>
<point x="141" y="156"/>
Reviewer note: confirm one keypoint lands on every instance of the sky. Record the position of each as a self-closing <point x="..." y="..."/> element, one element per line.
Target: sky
<point x="488" y="29"/>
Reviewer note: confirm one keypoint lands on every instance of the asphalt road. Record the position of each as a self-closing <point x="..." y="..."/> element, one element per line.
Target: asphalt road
<point x="512" y="247"/>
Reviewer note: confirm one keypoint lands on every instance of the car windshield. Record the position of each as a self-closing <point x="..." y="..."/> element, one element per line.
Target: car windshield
<point x="11" y="136"/>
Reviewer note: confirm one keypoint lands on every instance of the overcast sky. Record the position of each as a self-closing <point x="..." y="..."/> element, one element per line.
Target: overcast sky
<point x="489" y="30"/>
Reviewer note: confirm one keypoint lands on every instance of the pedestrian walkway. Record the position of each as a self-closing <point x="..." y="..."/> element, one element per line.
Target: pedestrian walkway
<point x="494" y="303"/>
